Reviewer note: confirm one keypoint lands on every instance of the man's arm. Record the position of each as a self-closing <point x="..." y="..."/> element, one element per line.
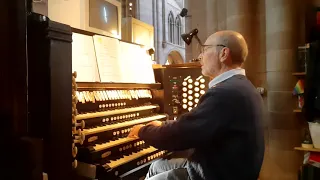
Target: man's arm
<point x="193" y="129"/>
<point x="168" y="122"/>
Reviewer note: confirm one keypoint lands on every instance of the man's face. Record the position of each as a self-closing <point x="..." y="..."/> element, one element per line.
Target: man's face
<point x="210" y="61"/>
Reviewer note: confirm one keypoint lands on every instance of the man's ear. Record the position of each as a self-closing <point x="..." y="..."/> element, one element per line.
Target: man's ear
<point x="225" y="52"/>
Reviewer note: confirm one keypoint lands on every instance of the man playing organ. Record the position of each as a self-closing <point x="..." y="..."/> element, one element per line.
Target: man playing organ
<point x="225" y="128"/>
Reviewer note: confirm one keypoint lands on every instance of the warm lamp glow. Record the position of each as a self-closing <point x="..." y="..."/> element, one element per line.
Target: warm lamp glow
<point x="115" y="33"/>
<point x="138" y="41"/>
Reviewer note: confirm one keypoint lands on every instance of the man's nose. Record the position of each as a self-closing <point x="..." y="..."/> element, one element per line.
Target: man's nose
<point x="200" y="57"/>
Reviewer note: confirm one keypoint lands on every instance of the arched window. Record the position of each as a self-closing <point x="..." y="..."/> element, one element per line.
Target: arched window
<point x="171" y="27"/>
<point x="178" y="31"/>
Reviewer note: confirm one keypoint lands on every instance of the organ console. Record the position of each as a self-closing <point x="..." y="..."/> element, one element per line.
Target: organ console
<point x="106" y="112"/>
<point x="92" y="120"/>
<point x="105" y="115"/>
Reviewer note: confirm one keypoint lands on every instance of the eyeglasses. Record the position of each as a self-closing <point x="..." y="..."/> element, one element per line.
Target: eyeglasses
<point x="203" y="48"/>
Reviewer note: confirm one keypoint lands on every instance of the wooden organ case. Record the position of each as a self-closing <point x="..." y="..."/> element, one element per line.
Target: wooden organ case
<point x="83" y="127"/>
<point x="106" y="112"/>
<point x="49" y="95"/>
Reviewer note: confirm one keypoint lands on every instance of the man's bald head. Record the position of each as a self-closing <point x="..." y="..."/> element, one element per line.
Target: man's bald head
<point x="232" y="40"/>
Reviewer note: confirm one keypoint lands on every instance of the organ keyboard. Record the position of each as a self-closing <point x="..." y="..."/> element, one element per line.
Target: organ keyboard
<point x="104" y="118"/>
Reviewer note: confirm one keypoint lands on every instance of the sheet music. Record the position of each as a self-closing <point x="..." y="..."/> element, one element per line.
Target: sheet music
<point x="107" y="52"/>
<point x="127" y="56"/>
<point x="84" y="58"/>
<point x="146" y="73"/>
<point x="136" y="65"/>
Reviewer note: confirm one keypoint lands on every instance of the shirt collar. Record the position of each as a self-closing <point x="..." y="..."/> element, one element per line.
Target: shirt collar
<point x="226" y="75"/>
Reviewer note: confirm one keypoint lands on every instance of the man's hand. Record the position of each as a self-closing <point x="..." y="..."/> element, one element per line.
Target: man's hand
<point x="155" y="123"/>
<point x="134" y="133"/>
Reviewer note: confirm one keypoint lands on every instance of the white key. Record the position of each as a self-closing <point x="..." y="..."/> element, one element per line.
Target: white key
<point x="95" y="95"/>
<point x="133" y="156"/>
<point x="120" y="125"/>
<point x="120" y="94"/>
<point x="109" y="95"/>
<point x="116" y="94"/>
<point x="105" y="95"/>
<point x="102" y="96"/>
<point x="100" y="147"/>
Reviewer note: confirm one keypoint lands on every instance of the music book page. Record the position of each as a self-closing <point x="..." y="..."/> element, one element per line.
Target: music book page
<point x="136" y="64"/>
<point x="84" y="58"/>
<point x="128" y="68"/>
<point x="145" y="73"/>
<point x="107" y="52"/>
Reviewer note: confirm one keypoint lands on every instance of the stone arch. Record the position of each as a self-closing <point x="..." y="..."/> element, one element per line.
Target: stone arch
<point x="174" y="57"/>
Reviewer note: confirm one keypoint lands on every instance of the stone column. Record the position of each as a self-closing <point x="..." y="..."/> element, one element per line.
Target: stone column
<point x="188" y="28"/>
<point x="240" y="18"/>
<point x="212" y="17"/>
<point x="282" y="26"/>
<point x="197" y="20"/>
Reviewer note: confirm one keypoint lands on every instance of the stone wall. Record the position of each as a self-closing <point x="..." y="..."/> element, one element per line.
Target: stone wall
<point x="156" y="12"/>
<point x="273" y="30"/>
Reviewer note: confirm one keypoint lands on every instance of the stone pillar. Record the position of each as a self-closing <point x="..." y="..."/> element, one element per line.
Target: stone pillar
<point x="197" y="20"/>
<point x="260" y="21"/>
<point x="259" y="43"/>
<point x="212" y="17"/>
<point x="188" y="28"/>
<point x="282" y="26"/>
<point x="240" y="18"/>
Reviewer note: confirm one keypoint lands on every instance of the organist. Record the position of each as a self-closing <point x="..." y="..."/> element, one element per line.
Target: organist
<point x="224" y="130"/>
